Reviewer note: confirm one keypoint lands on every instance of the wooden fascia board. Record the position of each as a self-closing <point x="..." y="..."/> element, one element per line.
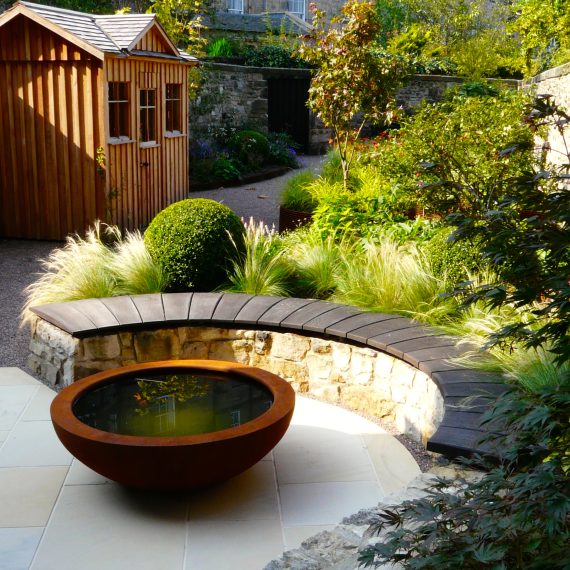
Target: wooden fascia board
<point x="25" y="11"/>
<point x="154" y="24"/>
<point x="181" y="61"/>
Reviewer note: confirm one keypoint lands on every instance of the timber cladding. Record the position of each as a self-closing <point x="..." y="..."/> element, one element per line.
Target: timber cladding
<point x="61" y="165"/>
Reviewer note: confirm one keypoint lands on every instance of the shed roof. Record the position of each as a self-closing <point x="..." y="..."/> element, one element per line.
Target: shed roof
<point x="258" y="23"/>
<point x="115" y="33"/>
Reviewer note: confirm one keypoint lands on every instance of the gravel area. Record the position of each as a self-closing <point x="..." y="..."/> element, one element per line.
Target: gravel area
<point x="20" y="261"/>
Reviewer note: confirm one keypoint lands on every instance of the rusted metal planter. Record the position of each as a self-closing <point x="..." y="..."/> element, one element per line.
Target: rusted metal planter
<point x="180" y="462"/>
<point x="292" y="219"/>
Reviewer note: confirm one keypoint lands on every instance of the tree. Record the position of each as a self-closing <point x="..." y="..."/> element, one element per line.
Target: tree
<point x="543" y="31"/>
<point x="355" y="80"/>
<point x="182" y="21"/>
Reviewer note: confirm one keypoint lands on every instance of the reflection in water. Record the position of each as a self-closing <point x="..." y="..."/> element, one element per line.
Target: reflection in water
<point x="172" y="404"/>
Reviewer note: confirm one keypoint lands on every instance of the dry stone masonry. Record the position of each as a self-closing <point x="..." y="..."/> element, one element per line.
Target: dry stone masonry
<point x="364" y="379"/>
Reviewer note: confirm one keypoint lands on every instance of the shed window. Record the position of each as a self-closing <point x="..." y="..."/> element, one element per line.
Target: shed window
<point x="119" y="110"/>
<point x="173" y="105"/>
<point x="235" y="6"/>
<point x="147" y="109"/>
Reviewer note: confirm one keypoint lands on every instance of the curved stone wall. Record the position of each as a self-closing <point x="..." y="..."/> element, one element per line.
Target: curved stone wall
<point x="362" y="378"/>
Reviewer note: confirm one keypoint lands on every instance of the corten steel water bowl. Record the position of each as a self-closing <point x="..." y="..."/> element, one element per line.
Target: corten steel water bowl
<point x="178" y="461"/>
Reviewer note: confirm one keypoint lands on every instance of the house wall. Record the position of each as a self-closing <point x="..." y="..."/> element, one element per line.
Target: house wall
<point x="51" y="126"/>
<point x="143" y="181"/>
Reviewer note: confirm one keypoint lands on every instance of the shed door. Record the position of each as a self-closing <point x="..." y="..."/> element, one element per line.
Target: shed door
<point x="288" y="112"/>
<point x="149" y="153"/>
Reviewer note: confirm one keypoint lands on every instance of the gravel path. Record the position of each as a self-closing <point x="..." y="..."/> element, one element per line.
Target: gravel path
<point x="261" y="199"/>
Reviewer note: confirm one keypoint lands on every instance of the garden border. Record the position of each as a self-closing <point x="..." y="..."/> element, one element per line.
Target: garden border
<point x="421" y="346"/>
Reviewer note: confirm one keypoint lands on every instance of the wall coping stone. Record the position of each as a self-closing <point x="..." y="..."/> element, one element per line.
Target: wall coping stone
<point x="421" y="346"/>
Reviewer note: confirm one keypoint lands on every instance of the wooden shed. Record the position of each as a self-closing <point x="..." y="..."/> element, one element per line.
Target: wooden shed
<point x="93" y="121"/>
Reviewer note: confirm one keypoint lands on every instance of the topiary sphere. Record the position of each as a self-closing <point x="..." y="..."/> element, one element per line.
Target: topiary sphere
<point x="192" y="239"/>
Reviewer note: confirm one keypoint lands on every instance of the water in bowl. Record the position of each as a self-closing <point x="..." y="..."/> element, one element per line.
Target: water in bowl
<point x="170" y="405"/>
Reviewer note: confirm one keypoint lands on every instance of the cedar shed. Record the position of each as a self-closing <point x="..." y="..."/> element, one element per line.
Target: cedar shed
<point x="93" y="121"/>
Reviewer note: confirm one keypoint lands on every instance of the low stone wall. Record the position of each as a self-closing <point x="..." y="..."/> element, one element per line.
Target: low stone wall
<point x="362" y="378"/>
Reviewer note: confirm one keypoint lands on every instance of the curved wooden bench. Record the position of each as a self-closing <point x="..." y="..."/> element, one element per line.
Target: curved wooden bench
<point x="421" y="346"/>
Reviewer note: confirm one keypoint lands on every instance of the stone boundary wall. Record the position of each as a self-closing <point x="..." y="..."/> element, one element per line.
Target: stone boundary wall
<point x="238" y="94"/>
<point x="364" y="379"/>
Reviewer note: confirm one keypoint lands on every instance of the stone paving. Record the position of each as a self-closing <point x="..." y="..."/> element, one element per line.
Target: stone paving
<point x="57" y="514"/>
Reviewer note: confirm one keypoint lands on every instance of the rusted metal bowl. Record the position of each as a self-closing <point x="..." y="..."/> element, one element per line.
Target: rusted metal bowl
<point x="181" y="461"/>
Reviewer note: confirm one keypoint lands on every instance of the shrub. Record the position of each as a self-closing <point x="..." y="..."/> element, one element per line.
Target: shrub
<point x="251" y="148"/>
<point x="297" y="194"/>
<point x="453" y="261"/>
<point x="451" y="156"/>
<point x="192" y="240"/>
<point x="225" y="169"/>
<point x="260" y="270"/>
<point x="272" y="56"/>
<point x="282" y="150"/>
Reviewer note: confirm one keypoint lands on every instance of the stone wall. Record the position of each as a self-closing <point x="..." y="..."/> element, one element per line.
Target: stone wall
<point x="361" y="378"/>
<point x="555" y="82"/>
<point x="238" y="95"/>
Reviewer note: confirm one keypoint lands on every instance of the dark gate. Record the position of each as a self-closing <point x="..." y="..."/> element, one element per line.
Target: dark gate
<point x="287" y="108"/>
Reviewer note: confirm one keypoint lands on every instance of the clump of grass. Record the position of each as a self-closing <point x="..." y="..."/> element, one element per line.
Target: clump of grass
<point x="133" y="268"/>
<point x="532" y="368"/>
<point x="101" y="264"/>
<point x="386" y="277"/>
<point x="315" y="263"/>
<point x="261" y="270"/>
<point x="297" y="194"/>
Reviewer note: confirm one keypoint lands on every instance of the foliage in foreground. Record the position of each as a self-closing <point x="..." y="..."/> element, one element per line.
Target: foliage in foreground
<point x="103" y="264"/>
<point x="517" y="516"/>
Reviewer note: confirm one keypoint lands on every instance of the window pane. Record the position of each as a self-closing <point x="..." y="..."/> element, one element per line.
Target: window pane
<point x="147" y="115"/>
<point x="118" y="109"/>
<point x="173" y="107"/>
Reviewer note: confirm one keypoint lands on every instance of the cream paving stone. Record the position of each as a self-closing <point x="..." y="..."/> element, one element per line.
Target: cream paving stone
<point x="32" y="444"/>
<point x="247" y="497"/>
<point x="38" y="408"/>
<point x="326" y="503"/>
<point x="80" y="474"/>
<point x="295" y="535"/>
<point x="309" y="454"/>
<point x="11" y="376"/>
<point x="4" y="434"/>
<point x="310" y="412"/>
<point x="27" y="495"/>
<point x="17" y="547"/>
<point x="394" y="464"/>
<point x="13" y="402"/>
<point x="107" y="527"/>
<point x="232" y="545"/>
